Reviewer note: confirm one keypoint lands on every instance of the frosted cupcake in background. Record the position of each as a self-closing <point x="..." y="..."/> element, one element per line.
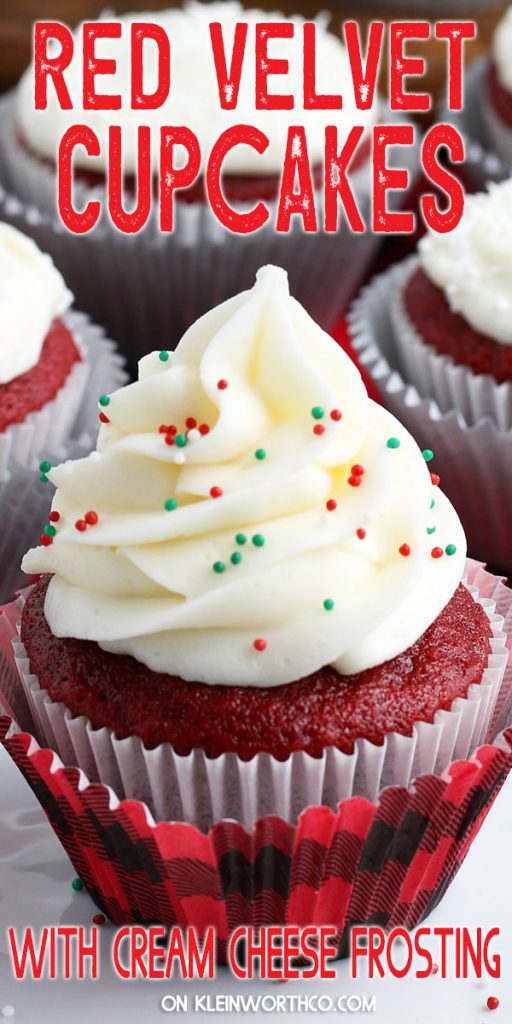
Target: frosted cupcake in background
<point x="255" y="607"/>
<point x="442" y="323"/>
<point x="498" y="100"/>
<point x="201" y="262"/>
<point x="50" y="362"/>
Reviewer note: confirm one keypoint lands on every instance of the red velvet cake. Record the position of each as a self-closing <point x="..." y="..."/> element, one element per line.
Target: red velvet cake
<point x="501" y="99"/>
<point x="325" y="709"/>
<point x="450" y="334"/>
<point x="39" y="385"/>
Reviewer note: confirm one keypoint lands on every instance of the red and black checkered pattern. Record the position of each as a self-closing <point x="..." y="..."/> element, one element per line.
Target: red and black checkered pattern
<point x="387" y="863"/>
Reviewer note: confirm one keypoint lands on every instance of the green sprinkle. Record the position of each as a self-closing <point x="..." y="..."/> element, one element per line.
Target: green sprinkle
<point x="328" y="604"/>
<point x="45" y="466"/>
<point x="432" y="504"/>
<point x="163" y="356"/>
<point x="104" y="400"/>
<point x="260" y="454"/>
<point x="180" y="440"/>
<point x="393" y="442"/>
<point x="450" y="549"/>
<point x="428" y="454"/>
<point x="236" y="558"/>
<point x="170" y="504"/>
<point x="50" y="530"/>
<point x="218" y="567"/>
<point x="44" y="479"/>
<point x="431" y="529"/>
<point x="317" y="412"/>
<point x="77" y="884"/>
<point x="258" y="540"/>
<point x="241" y="539"/>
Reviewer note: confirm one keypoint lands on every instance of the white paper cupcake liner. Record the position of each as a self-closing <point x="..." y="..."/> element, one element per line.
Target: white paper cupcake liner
<point x="483" y="161"/>
<point x="149" y="287"/>
<point x="202" y="790"/>
<point x="74" y="410"/>
<point x="452" y="386"/>
<point x="475" y="462"/>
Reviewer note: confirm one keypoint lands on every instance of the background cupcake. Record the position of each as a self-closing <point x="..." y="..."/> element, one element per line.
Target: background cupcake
<point x="434" y="332"/>
<point x="277" y="535"/>
<point x="201" y="263"/>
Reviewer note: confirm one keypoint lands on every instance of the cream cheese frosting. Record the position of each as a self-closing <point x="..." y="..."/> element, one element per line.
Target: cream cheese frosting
<point x="473" y="263"/>
<point x="32" y="295"/>
<point x="194" y="99"/>
<point x="502" y="48"/>
<point x="288" y="525"/>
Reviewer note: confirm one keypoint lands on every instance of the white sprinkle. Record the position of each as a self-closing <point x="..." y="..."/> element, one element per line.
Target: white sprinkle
<point x="8" y="1010"/>
<point x="193" y="435"/>
<point x="180" y="458"/>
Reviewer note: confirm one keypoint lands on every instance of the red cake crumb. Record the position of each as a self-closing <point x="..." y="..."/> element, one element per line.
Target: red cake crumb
<point x="501" y="99"/>
<point x="33" y="389"/>
<point x="450" y="334"/>
<point x="321" y="710"/>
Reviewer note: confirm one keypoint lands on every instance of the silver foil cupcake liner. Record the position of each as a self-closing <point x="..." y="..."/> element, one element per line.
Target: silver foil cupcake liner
<point x="452" y="386"/>
<point x="474" y="461"/>
<point x="149" y="287"/>
<point x="201" y="790"/>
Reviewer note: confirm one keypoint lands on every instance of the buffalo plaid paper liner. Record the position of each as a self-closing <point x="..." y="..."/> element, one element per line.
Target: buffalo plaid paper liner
<point x="386" y="862"/>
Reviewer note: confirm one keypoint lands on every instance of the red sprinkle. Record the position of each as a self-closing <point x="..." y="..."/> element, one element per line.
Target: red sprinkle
<point x="435" y="479"/>
<point x="493" y="1003"/>
<point x="45" y="540"/>
<point x="204" y="428"/>
<point x="361" y="533"/>
<point x="357" y="470"/>
<point x="404" y="550"/>
<point x="91" y="518"/>
<point x="222" y="385"/>
<point x="335" y="414"/>
<point x="437" y="552"/>
<point x="215" y="492"/>
<point x="331" y="505"/>
<point x="190" y="422"/>
<point x="163" y="429"/>
<point x="259" y="644"/>
<point x="355" y="481"/>
<point x="103" y="418"/>
<point x="54" y="517"/>
<point x="99" y="919"/>
<point x="169" y="439"/>
<point x="172" y="430"/>
<point x="81" y="525"/>
<point x="318" y="429"/>
<point x="435" y="969"/>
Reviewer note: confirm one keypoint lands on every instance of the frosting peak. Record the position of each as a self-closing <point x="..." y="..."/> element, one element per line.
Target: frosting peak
<point x="473" y="263"/>
<point x="258" y="517"/>
<point x="32" y="294"/>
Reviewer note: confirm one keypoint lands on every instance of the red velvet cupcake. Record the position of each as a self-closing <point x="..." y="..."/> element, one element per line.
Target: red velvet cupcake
<point x="255" y="565"/>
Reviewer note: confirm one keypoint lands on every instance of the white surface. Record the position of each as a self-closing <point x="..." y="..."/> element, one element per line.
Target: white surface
<point x="35" y="889"/>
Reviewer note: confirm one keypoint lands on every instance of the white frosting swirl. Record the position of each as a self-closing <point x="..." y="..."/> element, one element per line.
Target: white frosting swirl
<point x="502" y="48"/>
<point x="473" y="263"/>
<point x="32" y="294"/>
<point x="194" y="99"/>
<point x="143" y="581"/>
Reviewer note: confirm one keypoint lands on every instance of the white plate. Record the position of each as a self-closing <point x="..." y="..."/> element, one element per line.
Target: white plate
<point x="35" y="889"/>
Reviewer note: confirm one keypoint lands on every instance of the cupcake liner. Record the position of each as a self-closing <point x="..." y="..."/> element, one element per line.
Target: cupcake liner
<point x="201" y="790"/>
<point x="474" y="461"/>
<point x="154" y="285"/>
<point x="483" y="162"/>
<point x="74" y="410"/>
<point x="384" y="862"/>
<point x="476" y="396"/>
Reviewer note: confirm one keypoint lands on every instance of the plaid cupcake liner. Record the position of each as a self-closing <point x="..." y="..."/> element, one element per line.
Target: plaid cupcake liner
<point x="386" y="862"/>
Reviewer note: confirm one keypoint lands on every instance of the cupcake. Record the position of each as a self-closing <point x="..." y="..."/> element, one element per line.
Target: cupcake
<point x="434" y="333"/>
<point x="201" y="262"/>
<point x="255" y="614"/>
<point x="498" y="97"/>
